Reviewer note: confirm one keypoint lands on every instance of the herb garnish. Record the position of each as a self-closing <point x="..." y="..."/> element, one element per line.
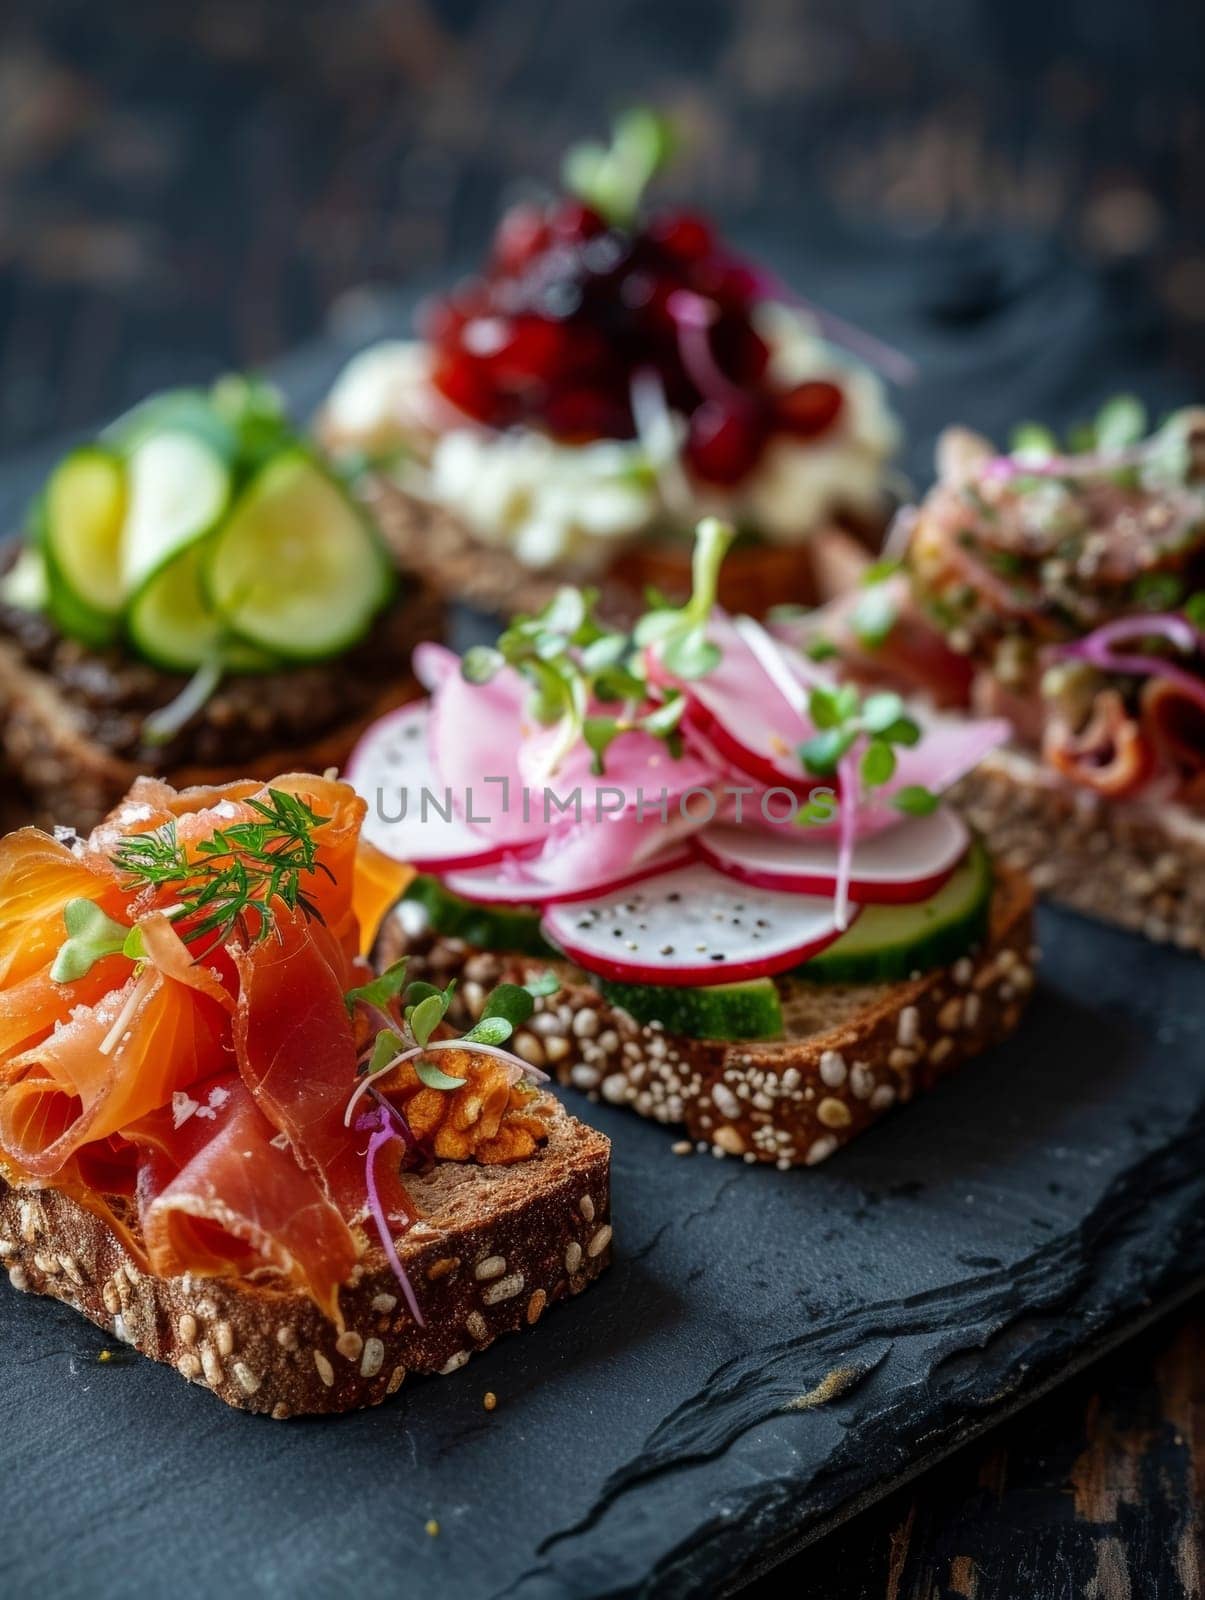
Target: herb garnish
<point x="612" y="179"/>
<point x="842" y="717"/>
<point x="424" y="1009"/>
<point x="574" y="663"/>
<point x="239" y="876"/>
<point x="240" y="873"/>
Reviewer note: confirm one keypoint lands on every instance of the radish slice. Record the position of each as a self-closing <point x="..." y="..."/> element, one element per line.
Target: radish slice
<point x="432" y="663"/>
<point x="476" y="732"/>
<point x="910" y="861"/>
<point x="741" y="714"/>
<point x="391" y="769"/>
<point x="692" y="926"/>
<point x="515" y="883"/>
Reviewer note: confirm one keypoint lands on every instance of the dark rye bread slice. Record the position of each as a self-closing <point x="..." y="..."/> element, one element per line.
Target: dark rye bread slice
<point x="850" y="1053"/>
<point x="494" y="1248"/>
<point x="1137" y="864"/>
<point x="65" y="772"/>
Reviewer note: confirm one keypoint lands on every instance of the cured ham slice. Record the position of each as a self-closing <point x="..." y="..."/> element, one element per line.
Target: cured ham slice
<point x="296" y="1048"/>
<point x="220" y="1198"/>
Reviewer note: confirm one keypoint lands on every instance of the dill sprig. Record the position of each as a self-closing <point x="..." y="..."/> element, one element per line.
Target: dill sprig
<point x="241" y="873"/>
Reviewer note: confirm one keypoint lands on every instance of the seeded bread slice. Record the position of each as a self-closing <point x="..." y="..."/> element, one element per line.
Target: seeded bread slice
<point x="1137" y="864"/>
<point x="850" y="1053"/>
<point x="494" y="1247"/>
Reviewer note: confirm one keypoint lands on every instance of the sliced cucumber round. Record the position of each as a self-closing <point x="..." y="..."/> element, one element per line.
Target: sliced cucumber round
<point x="295" y="569"/>
<point x="888" y="943"/>
<point x="24" y="584"/>
<point x="173" y="411"/>
<point x="171" y="624"/>
<point x="179" y="488"/>
<point x="514" y="930"/>
<point x="79" y="519"/>
<point x="750" y="1010"/>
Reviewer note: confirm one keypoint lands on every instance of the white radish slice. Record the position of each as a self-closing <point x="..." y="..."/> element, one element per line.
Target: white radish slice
<point x="909" y="861"/>
<point x="391" y="769"/>
<point x="693" y="926"/>
<point x="508" y="883"/>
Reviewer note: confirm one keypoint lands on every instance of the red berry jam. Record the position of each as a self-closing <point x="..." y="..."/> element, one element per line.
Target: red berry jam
<point x="571" y="307"/>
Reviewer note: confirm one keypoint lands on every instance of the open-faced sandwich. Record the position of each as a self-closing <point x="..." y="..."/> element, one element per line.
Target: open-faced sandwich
<point x="1065" y="590"/>
<point x="227" y="1142"/>
<point x="198" y="595"/>
<point x="767" y="925"/>
<point x="611" y="376"/>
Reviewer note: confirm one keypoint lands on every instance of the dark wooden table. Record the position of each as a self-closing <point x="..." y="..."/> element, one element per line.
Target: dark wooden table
<point x="190" y="188"/>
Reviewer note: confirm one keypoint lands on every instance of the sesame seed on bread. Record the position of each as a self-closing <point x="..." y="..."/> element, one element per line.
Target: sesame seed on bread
<point x="494" y="1247"/>
<point x="849" y="1055"/>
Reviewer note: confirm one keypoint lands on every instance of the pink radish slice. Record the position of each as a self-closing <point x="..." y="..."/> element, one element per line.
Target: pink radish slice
<point x="476" y="733"/>
<point x="391" y="770"/>
<point x="432" y="663"/>
<point x="693" y="926"/>
<point x="737" y="711"/>
<point x="909" y="861"/>
<point x="512" y="884"/>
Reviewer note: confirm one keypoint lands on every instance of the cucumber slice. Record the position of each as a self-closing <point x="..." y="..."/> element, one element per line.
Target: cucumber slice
<point x="749" y="1010"/>
<point x="79" y="520"/>
<point x="888" y="943"/>
<point x="179" y="487"/>
<point x="512" y="929"/>
<point x="170" y="623"/>
<point x="25" y="585"/>
<point x="295" y="569"/>
<point x="174" y="411"/>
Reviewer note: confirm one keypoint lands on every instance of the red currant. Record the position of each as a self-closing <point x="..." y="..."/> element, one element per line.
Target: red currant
<point x="809" y="409"/>
<point x="461" y="379"/>
<point x="725" y="441"/>
<point x="520" y="237"/>
<point x="682" y="234"/>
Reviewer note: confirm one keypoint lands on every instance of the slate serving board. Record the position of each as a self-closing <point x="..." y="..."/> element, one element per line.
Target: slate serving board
<point x="770" y="1350"/>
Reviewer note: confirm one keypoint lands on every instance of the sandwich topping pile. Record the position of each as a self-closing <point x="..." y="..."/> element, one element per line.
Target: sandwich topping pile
<point x="614" y="374"/>
<point x="188" y="577"/>
<point x="684" y="812"/>
<point x="195" y="1051"/>
<point x="1073" y="586"/>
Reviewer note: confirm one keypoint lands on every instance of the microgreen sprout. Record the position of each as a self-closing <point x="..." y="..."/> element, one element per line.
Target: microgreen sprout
<point x="612" y="179"/>
<point x="91" y="935"/>
<point x="424" y="1009"/>
<point x="576" y="666"/>
<point x="843" y="718"/>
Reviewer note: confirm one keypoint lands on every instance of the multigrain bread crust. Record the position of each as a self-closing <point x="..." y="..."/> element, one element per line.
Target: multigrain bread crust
<point x="494" y="1248"/>
<point x="850" y="1054"/>
<point x="1138" y="865"/>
